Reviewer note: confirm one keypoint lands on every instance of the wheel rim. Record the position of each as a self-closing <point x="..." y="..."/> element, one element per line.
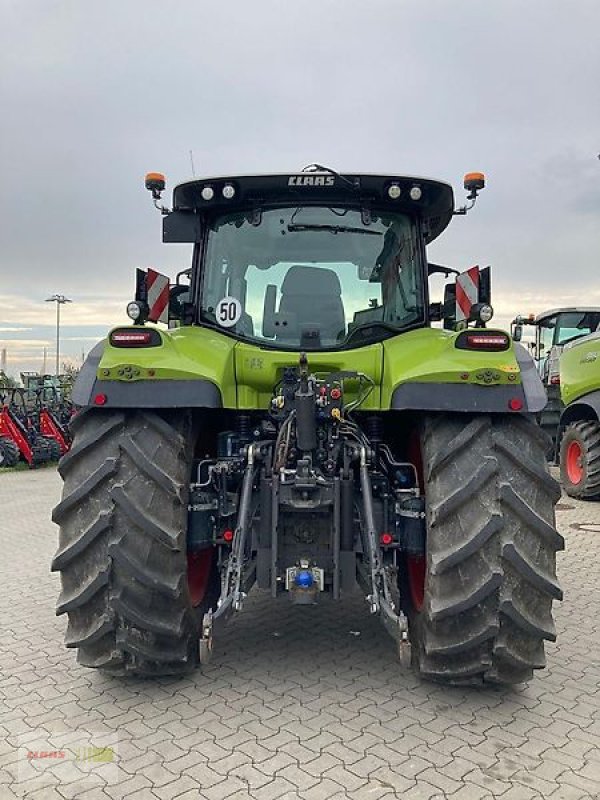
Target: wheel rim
<point x="575" y="462"/>
<point x="198" y="575"/>
<point x="416" y="580"/>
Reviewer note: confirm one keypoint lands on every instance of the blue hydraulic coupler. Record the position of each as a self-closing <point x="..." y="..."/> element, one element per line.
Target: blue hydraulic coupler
<point x="304" y="579"/>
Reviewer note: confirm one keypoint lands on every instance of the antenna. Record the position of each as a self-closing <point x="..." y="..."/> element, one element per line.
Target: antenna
<point x="192" y="163"/>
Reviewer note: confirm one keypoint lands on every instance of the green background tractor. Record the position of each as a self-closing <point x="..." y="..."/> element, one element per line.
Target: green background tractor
<point x="304" y="428"/>
<point x="553" y="330"/>
<point x="580" y="421"/>
<point x="566" y="349"/>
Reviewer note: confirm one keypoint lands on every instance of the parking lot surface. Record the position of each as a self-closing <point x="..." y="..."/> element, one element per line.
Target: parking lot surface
<point x="298" y="702"/>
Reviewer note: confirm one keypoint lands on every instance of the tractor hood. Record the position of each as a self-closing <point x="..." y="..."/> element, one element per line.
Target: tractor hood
<point x="580" y="368"/>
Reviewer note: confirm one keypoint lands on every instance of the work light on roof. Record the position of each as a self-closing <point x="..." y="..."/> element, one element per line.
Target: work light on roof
<point x="228" y="191"/>
<point x="207" y="193"/>
<point x="416" y="193"/>
<point x="394" y="191"/>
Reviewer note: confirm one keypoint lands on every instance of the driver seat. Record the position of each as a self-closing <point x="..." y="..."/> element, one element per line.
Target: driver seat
<point x="310" y="298"/>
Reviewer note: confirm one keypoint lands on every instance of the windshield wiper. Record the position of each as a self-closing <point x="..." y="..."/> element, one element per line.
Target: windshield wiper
<point x="332" y="229"/>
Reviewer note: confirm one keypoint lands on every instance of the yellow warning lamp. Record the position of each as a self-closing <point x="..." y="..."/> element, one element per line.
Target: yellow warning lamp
<point x="155" y="182"/>
<point x="474" y="182"/>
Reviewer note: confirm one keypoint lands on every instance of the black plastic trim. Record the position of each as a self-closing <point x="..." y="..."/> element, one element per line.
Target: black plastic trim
<point x="530" y="380"/>
<point x="154" y="394"/>
<point x="457" y="397"/>
<point x="580" y="409"/>
<point x="84" y="384"/>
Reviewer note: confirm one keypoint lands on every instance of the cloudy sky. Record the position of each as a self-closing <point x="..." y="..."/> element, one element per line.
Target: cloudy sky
<point x="93" y="95"/>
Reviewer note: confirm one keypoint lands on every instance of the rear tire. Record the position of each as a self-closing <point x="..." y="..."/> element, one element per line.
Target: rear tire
<point x="580" y="459"/>
<point x="9" y="452"/>
<point x="491" y="550"/>
<point x="122" y="553"/>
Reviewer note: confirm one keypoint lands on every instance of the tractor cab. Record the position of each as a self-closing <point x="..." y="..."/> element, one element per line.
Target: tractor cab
<point x="553" y="330"/>
<point x="313" y="261"/>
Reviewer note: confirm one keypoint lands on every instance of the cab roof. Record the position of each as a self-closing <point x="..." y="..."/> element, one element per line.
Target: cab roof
<point x="567" y="310"/>
<point x="434" y="206"/>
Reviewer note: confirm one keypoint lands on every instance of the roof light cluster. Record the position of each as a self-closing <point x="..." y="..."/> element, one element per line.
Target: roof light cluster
<point x="227" y="192"/>
<point x="394" y="192"/>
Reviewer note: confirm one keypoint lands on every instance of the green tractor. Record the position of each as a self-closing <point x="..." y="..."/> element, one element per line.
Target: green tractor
<point x="553" y="330"/>
<point x="579" y="430"/>
<point x="302" y="427"/>
<point x="566" y="348"/>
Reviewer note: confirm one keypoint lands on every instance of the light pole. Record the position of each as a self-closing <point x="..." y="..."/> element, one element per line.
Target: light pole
<point x="59" y="299"/>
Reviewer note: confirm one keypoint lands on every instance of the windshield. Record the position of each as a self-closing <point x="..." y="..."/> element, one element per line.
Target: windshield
<point x="312" y="277"/>
<point x="572" y="325"/>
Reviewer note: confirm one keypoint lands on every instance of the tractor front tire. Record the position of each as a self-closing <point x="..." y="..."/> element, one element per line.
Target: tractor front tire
<point x="580" y="459"/>
<point x="122" y="546"/>
<point x="490" y="572"/>
<point x="9" y="452"/>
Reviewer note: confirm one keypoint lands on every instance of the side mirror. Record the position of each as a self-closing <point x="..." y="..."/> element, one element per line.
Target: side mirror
<point x="517" y="333"/>
<point x="435" y="312"/>
<point x="449" y="306"/>
<point x="179" y="297"/>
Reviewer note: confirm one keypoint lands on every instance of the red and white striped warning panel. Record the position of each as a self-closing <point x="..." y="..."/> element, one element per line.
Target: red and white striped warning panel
<point x="467" y="293"/>
<point x="157" y="286"/>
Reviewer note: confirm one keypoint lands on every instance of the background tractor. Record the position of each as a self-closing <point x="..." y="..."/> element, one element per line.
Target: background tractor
<point x="566" y="349"/>
<point x="579" y="429"/>
<point x="311" y="423"/>
<point x="552" y="331"/>
<point x="33" y="424"/>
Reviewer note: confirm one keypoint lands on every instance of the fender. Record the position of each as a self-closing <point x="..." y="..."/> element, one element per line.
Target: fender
<point x="458" y="397"/>
<point x="480" y="399"/>
<point x="141" y="394"/>
<point x="532" y="384"/>
<point x="585" y="407"/>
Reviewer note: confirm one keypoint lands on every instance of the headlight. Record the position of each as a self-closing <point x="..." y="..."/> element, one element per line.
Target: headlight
<point x="486" y="313"/>
<point x="134" y="310"/>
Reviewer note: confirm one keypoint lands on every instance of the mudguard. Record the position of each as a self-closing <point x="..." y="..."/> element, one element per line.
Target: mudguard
<point x="196" y="393"/>
<point x="586" y="407"/>
<point x="427" y="396"/>
<point x="534" y="390"/>
<point x="455" y="397"/>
